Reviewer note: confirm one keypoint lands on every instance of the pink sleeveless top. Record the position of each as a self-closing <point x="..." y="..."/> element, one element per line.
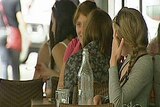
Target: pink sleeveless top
<point x="73" y="47"/>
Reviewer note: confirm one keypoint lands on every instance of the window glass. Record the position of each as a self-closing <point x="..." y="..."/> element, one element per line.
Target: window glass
<point x="81" y="1"/>
<point x="151" y="12"/>
<point x="118" y="5"/>
<point x="132" y="4"/>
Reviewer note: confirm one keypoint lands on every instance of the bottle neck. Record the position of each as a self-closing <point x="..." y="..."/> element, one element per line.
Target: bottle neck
<point x="85" y="58"/>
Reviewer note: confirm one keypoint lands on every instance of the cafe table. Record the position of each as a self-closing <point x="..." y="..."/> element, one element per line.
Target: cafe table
<point x="45" y="102"/>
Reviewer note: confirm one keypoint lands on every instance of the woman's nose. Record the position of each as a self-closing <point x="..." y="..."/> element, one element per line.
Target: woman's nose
<point x="81" y="30"/>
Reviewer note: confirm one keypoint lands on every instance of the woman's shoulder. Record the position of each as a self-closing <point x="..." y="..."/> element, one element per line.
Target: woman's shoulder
<point x="44" y="53"/>
<point x="59" y="46"/>
<point x="73" y="42"/>
<point x="44" y="47"/>
<point x="145" y="62"/>
<point x="145" y="59"/>
<point x="73" y="47"/>
<point x="143" y="68"/>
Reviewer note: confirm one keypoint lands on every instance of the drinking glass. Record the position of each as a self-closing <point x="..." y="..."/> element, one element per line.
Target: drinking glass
<point x="62" y="96"/>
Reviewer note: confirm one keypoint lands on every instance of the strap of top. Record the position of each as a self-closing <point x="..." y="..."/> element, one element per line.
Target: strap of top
<point x="126" y="76"/>
<point x="63" y="44"/>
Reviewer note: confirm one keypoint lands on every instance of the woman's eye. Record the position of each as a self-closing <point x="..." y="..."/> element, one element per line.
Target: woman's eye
<point x="78" y="24"/>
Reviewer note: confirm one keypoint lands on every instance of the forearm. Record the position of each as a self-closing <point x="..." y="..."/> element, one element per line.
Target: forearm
<point x="61" y="78"/>
<point x="115" y="95"/>
<point x="134" y="84"/>
<point x="52" y="73"/>
<point x="22" y="24"/>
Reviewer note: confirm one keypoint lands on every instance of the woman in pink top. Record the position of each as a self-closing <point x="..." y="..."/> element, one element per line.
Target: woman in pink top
<point x="79" y="20"/>
<point x="75" y="45"/>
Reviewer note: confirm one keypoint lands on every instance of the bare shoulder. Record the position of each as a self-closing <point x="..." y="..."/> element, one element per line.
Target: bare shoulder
<point x="44" y="47"/>
<point x="59" y="48"/>
<point x="58" y="54"/>
<point x="44" y="53"/>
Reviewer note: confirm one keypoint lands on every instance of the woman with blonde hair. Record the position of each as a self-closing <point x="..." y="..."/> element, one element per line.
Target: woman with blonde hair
<point x="131" y="85"/>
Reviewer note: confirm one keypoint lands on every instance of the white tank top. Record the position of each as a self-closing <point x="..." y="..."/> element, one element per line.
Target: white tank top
<point x="63" y="44"/>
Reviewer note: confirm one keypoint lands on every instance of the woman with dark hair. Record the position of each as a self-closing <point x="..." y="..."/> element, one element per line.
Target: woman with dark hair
<point x="62" y="30"/>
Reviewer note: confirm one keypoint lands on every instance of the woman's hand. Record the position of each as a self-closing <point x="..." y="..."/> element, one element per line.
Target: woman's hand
<point x="97" y="100"/>
<point x="116" y="50"/>
<point x="42" y="71"/>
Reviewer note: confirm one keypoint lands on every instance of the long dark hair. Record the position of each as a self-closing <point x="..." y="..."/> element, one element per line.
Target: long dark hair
<point x="63" y="12"/>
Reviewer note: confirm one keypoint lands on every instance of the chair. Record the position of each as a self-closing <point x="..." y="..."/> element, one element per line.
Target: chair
<point x="73" y="105"/>
<point x="54" y="81"/>
<point x="19" y="93"/>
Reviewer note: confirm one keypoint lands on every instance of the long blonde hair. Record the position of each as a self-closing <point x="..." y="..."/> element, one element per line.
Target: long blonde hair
<point x="130" y="25"/>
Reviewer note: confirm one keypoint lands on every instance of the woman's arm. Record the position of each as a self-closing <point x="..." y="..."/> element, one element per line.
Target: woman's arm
<point x="58" y="54"/>
<point x="44" y="54"/>
<point x="140" y="76"/>
<point x="61" y="78"/>
<point x="43" y="58"/>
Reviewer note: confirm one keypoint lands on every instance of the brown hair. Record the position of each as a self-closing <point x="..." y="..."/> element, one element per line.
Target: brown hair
<point x="131" y="26"/>
<point x="84" y="8"/>
<point x="99" y="29"/>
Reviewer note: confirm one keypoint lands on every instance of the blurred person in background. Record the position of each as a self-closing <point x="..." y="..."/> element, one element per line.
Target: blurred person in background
<point x="11" y="10"/>
<point x="154" y="45"/>
<point x="154" y="50"/>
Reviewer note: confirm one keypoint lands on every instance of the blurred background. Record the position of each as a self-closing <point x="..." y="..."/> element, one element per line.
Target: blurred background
<point x="37" y="14"/>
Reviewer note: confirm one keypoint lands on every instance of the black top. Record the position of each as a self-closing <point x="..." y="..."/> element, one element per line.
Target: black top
<point x="11" y="7"/>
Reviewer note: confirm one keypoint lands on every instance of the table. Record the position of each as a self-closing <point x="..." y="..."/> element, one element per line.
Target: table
<point x="42" y="103"/>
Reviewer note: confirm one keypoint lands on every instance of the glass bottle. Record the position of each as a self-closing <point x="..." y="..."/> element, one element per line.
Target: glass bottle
<point x="85" y="81"/>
